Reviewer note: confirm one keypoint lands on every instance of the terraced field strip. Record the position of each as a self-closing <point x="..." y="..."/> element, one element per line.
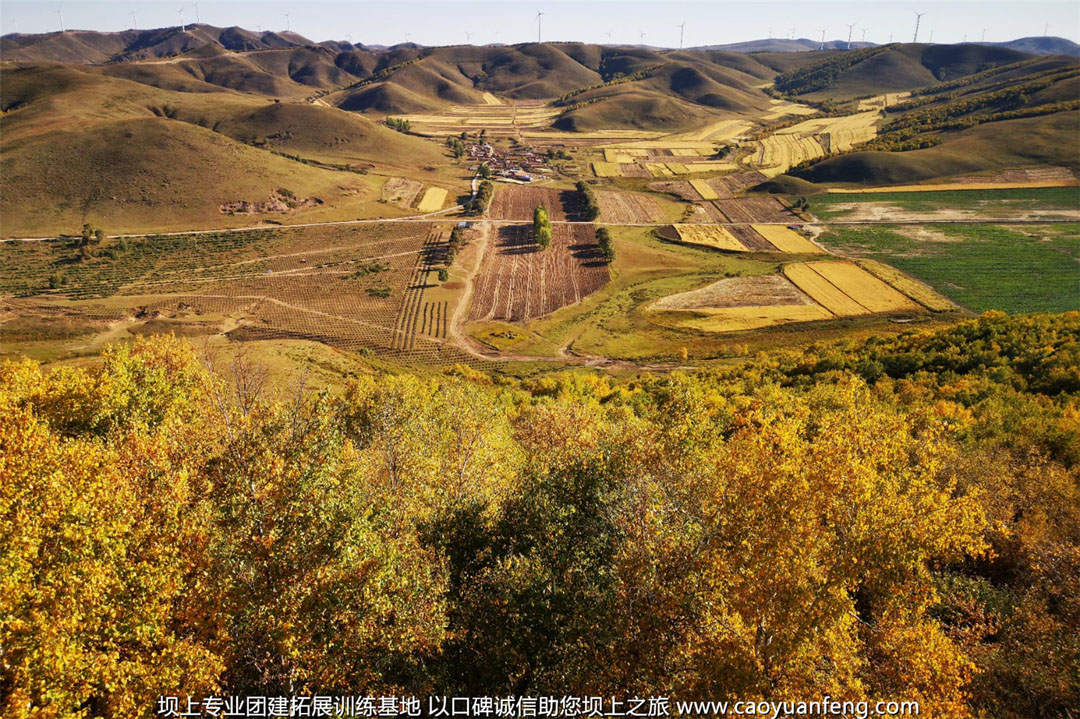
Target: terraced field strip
<point x="711" y="166"/>
<point x="736" y="319"/>
<point x="709" y="236"/>
<point x="787" y="240"/>
<point x="606" y="169"/>
<point x="822" y="291"/>
<point x="434" y="320"/>
<point x="912" y="288"/>
<point x="780" y="108"/>
<point x="718" y="132"/>
<point x="703" y="189"/>
<point x="811" y="139"/>
<point x="433" y="200"/>
<point x="409" y="316"/>
<point x="659" y="170"/>
<point x="867" y="290"/>
<point x="678" y="168"/>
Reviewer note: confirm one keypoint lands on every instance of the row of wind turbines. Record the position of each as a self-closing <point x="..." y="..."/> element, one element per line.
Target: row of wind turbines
<point x="539" y="28"/>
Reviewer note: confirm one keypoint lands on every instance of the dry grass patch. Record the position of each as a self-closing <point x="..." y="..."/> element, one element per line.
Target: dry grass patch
<point x="736" y="319"/>
<point x="434" y="199"/>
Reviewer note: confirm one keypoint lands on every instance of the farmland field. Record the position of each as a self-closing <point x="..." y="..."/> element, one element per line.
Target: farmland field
<point x="606" y="169"/>
<point x="433" y="200"/>
<point x="629" y="207"/>
<point x="812" y="139"/>
<point x="515" y="202"/>
<point x="709" y="236"/>
<point x="704" y="189"/>
<point x="787" y="240"/>
<point x="981" y="267"/>
<point x="1043" y="203"/>
<point x="519" y="281"/>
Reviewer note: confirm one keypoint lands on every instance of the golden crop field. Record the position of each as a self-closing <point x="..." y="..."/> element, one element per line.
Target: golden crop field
<point x="787" y="240"/>
<point x="910" y="287"/>
<point x="710" y="236"/>
<point x="606" y="169"/>
<point x="703" y="188"/>
<point x="685" y="152"/>
<point x="720" y="131"/>
<point x="822" y="291"/>
<point x="491" y="99"/>
<point x="735" y="319"/>
<point x="678" y="168"/>
<point x="811" y="139"/>
<point x="864" y="288"/>
<point x="780" y="108"/>
<point x="659" y="170"/>
<point x="433" y="200"/>
<point x="711" y="166"/>
<point x="879" y="102"/>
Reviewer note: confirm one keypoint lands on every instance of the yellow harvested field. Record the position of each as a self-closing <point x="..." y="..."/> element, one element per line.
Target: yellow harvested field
<point x="685" y="152"/>
<point x="780" y="108"/>
<point x="596" y="135"/>
<point x="735" y="319"/>
<point x="879" y="102"/>
<point x="619" y="157"/>
<point x="709" y="236"/>
<point x="433" y="200"/>
<point x="703" y="189"/>
<point x="666" y="143"/>
<point x="719" y="131"/>
<point x="912" y="288"/>
<point x="956" y="186"/>
<point x="659" y="170"/>
<point x="678" y="168"/>
<point x="812" y="139"/>
<point x="787" y="240"/>
<point x="867" y="290"/>
<point x="491" y="99"/>
<point x="822" y="291"/>
<point x="606" y="169"/>
<point x="711" y="166"/>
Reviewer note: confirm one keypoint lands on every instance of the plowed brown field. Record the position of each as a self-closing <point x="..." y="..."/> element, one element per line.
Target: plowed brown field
<point x="628" y="207"/>
<point x="515" y="202"/>
<point x="518" y="281"/>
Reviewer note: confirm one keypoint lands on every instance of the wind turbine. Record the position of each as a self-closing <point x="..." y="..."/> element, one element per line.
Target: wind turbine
<point x="288" y="24"/>
<point x="918" y="19"/>
<point x="822" y="46"/>
<point x="792" y="32"/>
<point x="609" y="37"/>
<point x="183" y="27"/>
<point x="849" y="29"/>
<point x="134" y="21"/>
<point x="770" y="32"/>
<point x="539" y="24"/>
<point x="864" y="29"/>
<point x="60" y="12"/>
<point x="197" y="18"/>
<point x="983" y="39"/>
<point x="931" y="37"/>
<point x="890" y="38"/>
<point x="682" y="29"/>
<point x="642" y="33"/>
<point x="468" y="37"/>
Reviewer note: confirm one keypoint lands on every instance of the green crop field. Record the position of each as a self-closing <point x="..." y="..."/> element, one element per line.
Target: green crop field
<point x="983" y="267"/>
<point x="993" y="203"/>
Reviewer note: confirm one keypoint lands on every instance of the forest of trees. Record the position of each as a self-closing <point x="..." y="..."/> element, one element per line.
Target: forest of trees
<point x="893" y="518"/>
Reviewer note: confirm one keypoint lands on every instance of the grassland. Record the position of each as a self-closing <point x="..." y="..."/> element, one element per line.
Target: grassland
<point x="981" y="267"/>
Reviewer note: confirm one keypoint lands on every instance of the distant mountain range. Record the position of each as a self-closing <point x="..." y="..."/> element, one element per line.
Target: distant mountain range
<point x="91" y="47"/>
<point x="1032" y="45"/>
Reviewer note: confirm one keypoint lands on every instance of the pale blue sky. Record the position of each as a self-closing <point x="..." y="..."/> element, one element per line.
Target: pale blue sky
<point x="511" y="21"/>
